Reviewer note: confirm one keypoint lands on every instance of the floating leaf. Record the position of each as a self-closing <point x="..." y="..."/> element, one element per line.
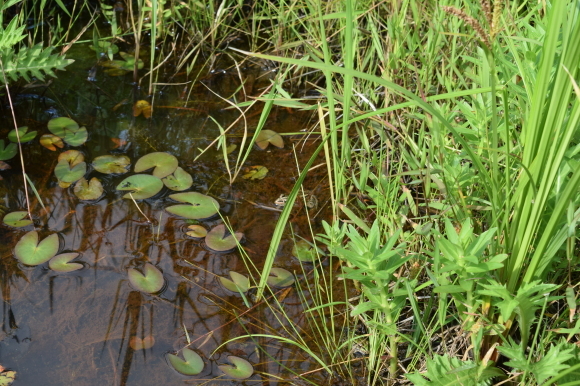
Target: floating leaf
<point x="73" y="157"/>
<point x="142" y="186"/>
<point x="111" y="164"/>
<point x="142" y="107"/>
<point x="142" y="344"/>
<point x="7" y="152"/>
<point x="151" y="281"/>
<point x="279" y="277"/>
<point x="67" y="174"/>
<point x="7" y="377"/>
<point x="77" y="138"/>
<point x="201" y="207"/>
<point x="303" y="251"/>
<point x="121" y="67"/>
<point x="51" y="141"/>
<point x="179" y="180"/>
<point x="192" y="365"/>
<point x="105" y="48"/>
<point x="217" y="240"/>
<point x="241" y="368"/>
<point x="196" y="231"/>
<point x="239" y="282"/>
<point x="267" y="137"/>
<point x="61" y="263"/>
<point x="23" y="133"/>
<point x="88" y="190"/>
<point x="17" y="219"/>
<point x="30" y="252"/>
<point x="62" y="126"/>
<point x="164" y="164"/>
<point x="256" y="173"/>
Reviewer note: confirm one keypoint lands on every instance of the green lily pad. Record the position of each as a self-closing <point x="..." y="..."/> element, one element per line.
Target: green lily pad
<point x="267" y="137"/>
<point x="303" y="251"/>
<point x="142" y="186"/>
<point x="111" y="164"/>
<point x="61" y="263"/>
<point x="17" y="219"/>
<point x="23" y="133"/>
<point x="51" y="141"/>
<point x="88" y="190"/>
<point x="7" y="377"/>
<point x="241" y="368"/>
<point x="30" y="252"/>
<point x="179" y="180"/>
<point x="65" y="173"/>
<point x="73" y="157"/>
<point x="77" y="138"/>
<point x="256" y="173"/>
<point x="164" y="164"/>
<point x="239" y="282"/>
<point x="217" y="240"/>
<point x="196" y="231"/>
<point x="192" y="365"/>
<point x="7" y="152"/>
<point x="201" y="207"/>
<point x="62" y="126"/>
<point x="151" y="281"/>
<point x="279" y="277"/>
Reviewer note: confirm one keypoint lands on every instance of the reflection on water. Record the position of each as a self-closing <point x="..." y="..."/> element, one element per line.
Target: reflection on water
<point x="76" y="328"/>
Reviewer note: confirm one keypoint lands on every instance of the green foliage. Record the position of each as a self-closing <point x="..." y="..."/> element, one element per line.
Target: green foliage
<point x="446" y="371"/>
<point x="31" y="62"/>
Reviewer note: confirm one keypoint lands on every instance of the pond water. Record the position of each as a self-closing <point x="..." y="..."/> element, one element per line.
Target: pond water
<point x="84" y="327"/>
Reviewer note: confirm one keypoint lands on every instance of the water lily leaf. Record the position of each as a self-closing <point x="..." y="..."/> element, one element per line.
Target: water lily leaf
<point x="150" y="281"/>
<point x="141" y="344"/>
<point x="62" y="126"/>
<point x="17" y="219"/>
<point x="30" y="252"/>
<point x="61" y="263"/>
<point x="217" y="240"/>
<point x="77" y="138"/>
<point x="192" y="365"/>
<point x="105" y="48"/>
<point x="51" y="141"/>
<point x="256" y="173"/>
<point x="67" y="174"/>
<point x="267" y="137"/>
<point x="25" y="136"/>
<point x="73" y="157"/>
<point x="179" y="180"/>
<point x="303" y="251"/>
<point x="7" y="377"/>
<point x="142" y="107"/>
<point x="239" y="282"/>
<point x="164" y="164"/>
<point x="7" y="152"/>
<point x="111" y="164"/>
<point x="201" y="207"/>
<point x="279" y="277"/>
<point x="121" y="67"/>
<point x="88" y="190"/>
<point x="142" y="186"/>
<point x="196" y="231"/>
<point x="241" y="368"/>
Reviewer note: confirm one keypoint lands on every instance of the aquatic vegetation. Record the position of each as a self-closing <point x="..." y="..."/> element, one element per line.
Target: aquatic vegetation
<point x="104" y="47"/>
<point x="239" y="282"/>
<point x="267" y="137"/>
<point x="150" y="280"/>
<point x="220" y="240"/>
<point x="88" y="190"/>
<point x="23" y="134"/>
<point x="51" y="141"/>
<point x="69" y="171"/>
<point x="30" y="251"/>
<point x="62" y="262"/>
<point x="200" y="206"/>
<point x="141" y="186"/>
<point x="121" y="67"/>
<point x="68" y="130"/>
<point x="256" y="173"/>
<point x="196" y="231"/>
<point x="111" y="164"/>
<point x="239" y="368"/>
<point x="304" y="251"/>
<point x="17" y="219"/>
<point x="192" y="364"/>
<point x="142" y="344"/>
<point x="179" y="180"/>
<point x="8" y="151"/>
<point x="163" y="163"/>
<point x="280" y="277"/>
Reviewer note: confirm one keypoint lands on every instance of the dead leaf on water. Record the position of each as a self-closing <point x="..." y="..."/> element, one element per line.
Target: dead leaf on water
<point x="142" y="107"/>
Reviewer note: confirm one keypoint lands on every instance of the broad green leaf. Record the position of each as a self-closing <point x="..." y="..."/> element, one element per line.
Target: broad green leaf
<point x="256" y="173"/>
<point x="88" y="190"/>
<point x="241" y="368"/>
<point x="200" y="206"/>
<point x="196" y="231"/>
<point x="30" y="252"/>
<point x="111" y="164"/>
<point x="279" y="277"/>
<point x="62" y="262"/>
<point x="164" y="164"/>
<point x="150" y="281"/>
<point x="7" y="152"/>
<point x="267" y="137"/>
<point x="239" y="282"/>
<point x="17" y="219"/>
<point x="77" y="138"/>
<point x="65" y="173"/>
<point x="192" y="364"/>
<point x="303" y="251"/>
<point x="142" y="186"/>
<point x="25" y="136"/>
<point x="62" y="126"/>
<point x="73" y="157"/>
<point x="218" y="241"/>
<point x="179" y="180"/>
<point x="7" y="377"/>
<point x="51" y="142"/>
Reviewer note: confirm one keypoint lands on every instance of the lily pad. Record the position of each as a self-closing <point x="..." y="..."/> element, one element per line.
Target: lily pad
<point x="142" y="107"/>
<point x="142" y="186"/>
<point x="256" y="173"/>
<point x="201" y="206"/>
<point x="62" y="126"/>
<point x="164" y="164"/>
<point x="303" y="251"/>
<point x="111" y="164"/>
<point x="196" y="231"/>
<point x="179" y="180"/>
<point x="65" y="173"/>
<point x="142" y="344"/>
<point x="217" y="240"/>
<point x="73" y="157"/>
<point x="88" y="190"/>
<point x="192" y="365"/>
<point x="77" y="138"/>
<point x="7" y="377"/>
<point x="239" y="282"/>
<point x="241" y="368"/>
<point x="279" y="277"/>
<point x="51" y="142"/>
<point x="151" y="281"/>
<point x="30" y="252"/>
<point x="17" y="219"/>
<point x="25" y="136"/>
<point x="62" y="262"/>
<point x="267" y="137"/>
<point x="7" y="152"/>
<point x="105" y="48"/>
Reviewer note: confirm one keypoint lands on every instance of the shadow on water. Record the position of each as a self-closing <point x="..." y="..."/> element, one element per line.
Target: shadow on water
<point x="90" y="327"/>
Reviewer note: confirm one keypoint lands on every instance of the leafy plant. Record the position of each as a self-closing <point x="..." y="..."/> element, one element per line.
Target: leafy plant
<point x="149" y="281"/>
<point x="219" y="240"/>
<point x="200" y="206"/>
<point x="31" y="252"/>
<point x="141" y="186"/>
<point x="192" y="364"/>
<point x="240" y="368"/>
